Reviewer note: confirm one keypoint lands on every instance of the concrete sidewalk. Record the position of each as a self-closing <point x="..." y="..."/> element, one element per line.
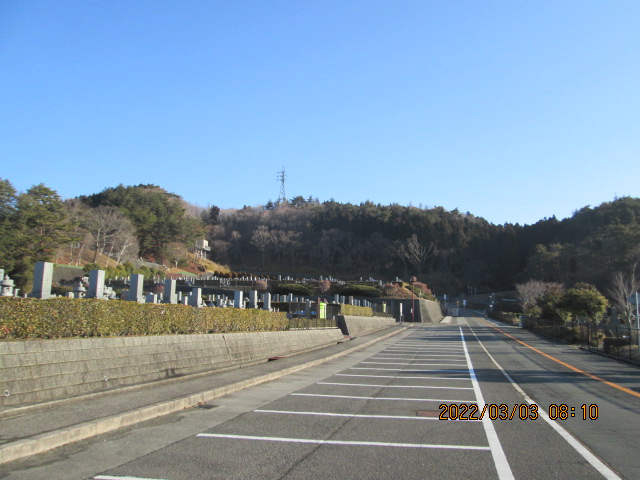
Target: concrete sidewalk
<point x="34" y="429"/>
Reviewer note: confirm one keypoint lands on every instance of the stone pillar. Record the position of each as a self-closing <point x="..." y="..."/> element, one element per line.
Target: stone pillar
<point x="266" y="299"/>
<point x="350" y="300"/>
<point x="135" y="289"/>
<point x="169" y="294"/>
<point x="195" y="299"/>
<point x="336" y="298"/>
<point x="151" y="298"/>
<point x="253" y="299"/>
<point x="308" y="308"/>
<point x="96" y="284"/>
<point x="42" y="277"/>
<point x="237" y="299"/>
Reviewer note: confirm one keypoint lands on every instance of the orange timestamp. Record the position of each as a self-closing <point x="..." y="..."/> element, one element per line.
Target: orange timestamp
<point x="494" y="411"/>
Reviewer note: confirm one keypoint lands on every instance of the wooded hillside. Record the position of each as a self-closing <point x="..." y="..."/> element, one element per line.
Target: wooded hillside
<point x="449" y="250"/>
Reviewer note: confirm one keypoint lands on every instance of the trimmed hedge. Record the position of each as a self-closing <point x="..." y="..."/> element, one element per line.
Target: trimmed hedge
<point x="353" y="310"/>
<point x="358" y="290"/>
<point x="22" y="318"/>
<point x="294" y="288"/>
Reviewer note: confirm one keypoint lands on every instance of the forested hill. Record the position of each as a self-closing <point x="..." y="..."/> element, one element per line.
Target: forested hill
<point x="449" y="250"/>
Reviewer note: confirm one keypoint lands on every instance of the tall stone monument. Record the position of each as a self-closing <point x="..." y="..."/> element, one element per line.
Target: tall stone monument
<point x="42" y="278"/>
<point x="135" y="289"/>
<point x="96" y="284"/>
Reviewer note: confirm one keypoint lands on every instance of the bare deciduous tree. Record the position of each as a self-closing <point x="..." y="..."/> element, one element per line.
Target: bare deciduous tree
<point x="529" y="293"/>
<point x="416" y="254"/>
<point x="622" y="286"/>
<point x="261" y="239"/>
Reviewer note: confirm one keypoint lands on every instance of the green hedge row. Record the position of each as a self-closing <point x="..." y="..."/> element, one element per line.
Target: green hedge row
<point x="356" y="311"/>
<point x="22" y="318"/>
<point x="358" y="290"/>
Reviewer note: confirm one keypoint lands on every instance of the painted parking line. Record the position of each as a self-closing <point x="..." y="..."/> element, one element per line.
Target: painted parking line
<point x="356" y="415"/>
<point x="414" y="370"/>
<point x="419" y="356"/>
<point x="447" y="359"/>
<point x="392" y="386"/>
<point x="462" y="379"/>
<point x="399" y="399"/>
<point x="344" y="442"/>
<point x="413" y="364"/>
<point x="112" y="477"/>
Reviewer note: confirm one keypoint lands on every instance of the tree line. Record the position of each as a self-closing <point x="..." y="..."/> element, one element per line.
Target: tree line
<point x="449" y="250"/>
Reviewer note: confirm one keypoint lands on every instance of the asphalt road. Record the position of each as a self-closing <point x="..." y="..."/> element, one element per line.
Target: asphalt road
<point x="375" y="415"/>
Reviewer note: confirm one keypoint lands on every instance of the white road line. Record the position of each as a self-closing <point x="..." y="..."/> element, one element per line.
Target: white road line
<point x="111" y="477"/>
<point x="350" y="415"/>
<point x="343" y="442"/>
<point x="414" y="364"/>
<point x="499" y="458"/>
<point x="402" y="378"/>
<point x="392" y="386"/>
<point x="383" y="398"/>
<point x="418" y="355"/>
<point x="594" y="461"/>
<point x="427" y="347"/>
<point x="443" y="370"/>
<point x="414" y="359"/>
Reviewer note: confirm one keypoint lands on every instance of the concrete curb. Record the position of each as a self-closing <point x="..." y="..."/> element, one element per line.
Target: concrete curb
<point x="50" y="440"/>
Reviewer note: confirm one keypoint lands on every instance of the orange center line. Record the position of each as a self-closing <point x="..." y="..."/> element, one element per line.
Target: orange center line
<point x="571" y="367"/>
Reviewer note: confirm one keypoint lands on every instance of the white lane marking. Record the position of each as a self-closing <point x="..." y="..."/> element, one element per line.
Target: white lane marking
<point x="383" y="398"/>
<point x="401" y="378"/>
<point x="427" y="348"/>
<point x="413" y="359"/>
<point x="443" y="370"/>
<point x="416" y="355"/>
<point x="351" y="415"/>
<point x="111" y="477"/>
<point x="392" y="386"/>
<point x="343" y="442"/>
<point x="499" y="458"/>
<point x="594" y="461"/>
<point x="414" y="364"/>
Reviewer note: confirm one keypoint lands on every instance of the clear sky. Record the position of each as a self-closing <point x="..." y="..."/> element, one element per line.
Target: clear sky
<point x="511" y="110"/>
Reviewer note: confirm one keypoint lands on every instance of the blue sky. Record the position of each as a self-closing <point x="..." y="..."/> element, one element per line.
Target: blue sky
<point x="513" y="111"/>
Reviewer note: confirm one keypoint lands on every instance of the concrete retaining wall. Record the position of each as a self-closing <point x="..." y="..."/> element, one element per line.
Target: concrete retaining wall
<point x="430" y="311"/>
<point x="357" y="326"/>
<point x="427" y="311"/>
<point x="43" y="370"/>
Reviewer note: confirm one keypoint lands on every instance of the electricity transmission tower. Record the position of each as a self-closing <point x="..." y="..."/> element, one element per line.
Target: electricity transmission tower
<point x="282" y="198"/>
